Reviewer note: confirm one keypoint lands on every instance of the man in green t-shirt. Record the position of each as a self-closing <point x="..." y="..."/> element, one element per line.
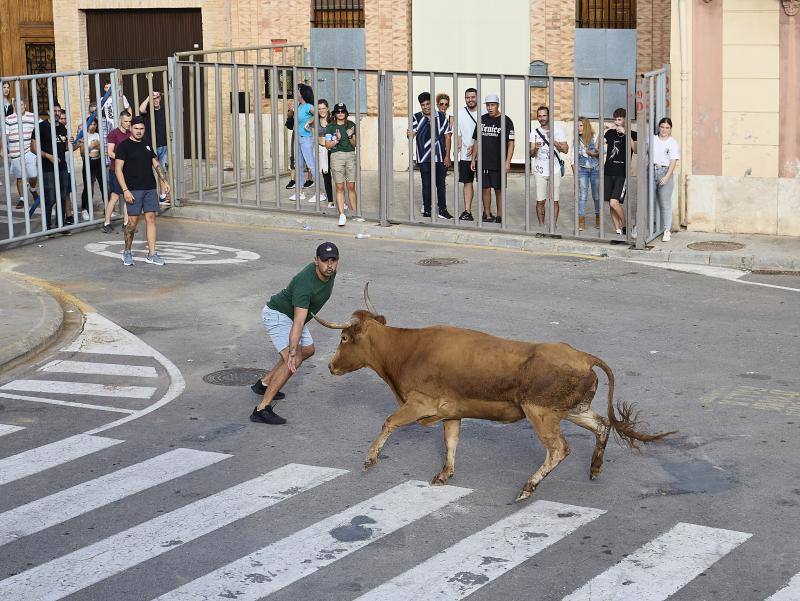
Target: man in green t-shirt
<point x="340" y="139"/>
<point x="285" y="317"/>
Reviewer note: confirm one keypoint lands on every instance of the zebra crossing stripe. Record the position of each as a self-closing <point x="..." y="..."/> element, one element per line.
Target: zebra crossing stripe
<point x="77" y="570"/>
<point x="105" y="369"/>
<point x="302" y="553"/>
<point x="8" y="429"/>
<point x="81" y="388"/>
<point x="790" y="592"/>
<point x="38" y="399"/>
<point x="50" y="455"/>
<point x="663" y="566"/>
<point x="460" y="570"/>
<point x="83" y="498"/>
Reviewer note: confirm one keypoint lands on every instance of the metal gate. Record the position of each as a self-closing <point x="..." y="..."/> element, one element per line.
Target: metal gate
<point x="248" y="146"/>
<point x="652" y="105"/>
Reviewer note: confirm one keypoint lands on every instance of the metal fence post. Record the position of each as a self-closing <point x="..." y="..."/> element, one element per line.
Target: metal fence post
<point x="176" y="114"/>
<point x="642" y="217"/>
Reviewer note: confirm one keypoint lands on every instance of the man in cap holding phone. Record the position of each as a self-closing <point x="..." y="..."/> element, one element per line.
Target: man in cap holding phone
<point x="285" y="317"/>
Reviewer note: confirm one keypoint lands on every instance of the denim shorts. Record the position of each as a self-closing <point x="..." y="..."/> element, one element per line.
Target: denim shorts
<point x="279" y="326"/>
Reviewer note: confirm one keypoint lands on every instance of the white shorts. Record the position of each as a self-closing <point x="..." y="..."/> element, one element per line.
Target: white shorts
<point x="279" y="326"/>
<point x="542" y="183"/>
<point x="30" y="166"/>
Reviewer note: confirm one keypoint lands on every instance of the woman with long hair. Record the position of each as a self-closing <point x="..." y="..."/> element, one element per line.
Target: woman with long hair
<point x="588" y="171"/>
<point x="324" y="115"/>
<point x="92" y="140"/>
<point x="305" y="135"/>
<point x="666" y="154"/>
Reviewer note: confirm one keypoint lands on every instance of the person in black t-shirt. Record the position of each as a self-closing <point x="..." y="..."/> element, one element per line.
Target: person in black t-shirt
<point x="614" y="175"/>
<point x="160" y="118"/>
<point x="490" y="129"/>
<point x="135" y="162"/>
<point x="42" y="143"/>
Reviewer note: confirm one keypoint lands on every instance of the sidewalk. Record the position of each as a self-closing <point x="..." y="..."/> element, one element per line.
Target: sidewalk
<point x="30" y="319"/>
<point x="758" y="252"/>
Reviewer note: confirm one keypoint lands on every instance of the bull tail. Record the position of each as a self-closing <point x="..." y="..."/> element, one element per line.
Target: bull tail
<point x="625" y="427"/>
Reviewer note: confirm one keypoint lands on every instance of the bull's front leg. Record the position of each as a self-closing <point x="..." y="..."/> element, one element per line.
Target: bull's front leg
<point x="452" y="430"/>
<point x="407" y="414"/>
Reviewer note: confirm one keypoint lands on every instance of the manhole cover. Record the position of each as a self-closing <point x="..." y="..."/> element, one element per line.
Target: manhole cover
<point x="439" y="262"/>
<point x="716" y="245"/>
<point x="235" y="376"/>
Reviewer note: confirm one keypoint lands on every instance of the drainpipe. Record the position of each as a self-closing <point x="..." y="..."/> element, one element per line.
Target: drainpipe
<point x="684" y="40"/>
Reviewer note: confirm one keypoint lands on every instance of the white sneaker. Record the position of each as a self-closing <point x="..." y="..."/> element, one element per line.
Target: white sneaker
<point x="323" y="197"/>
<point x="331" y="205"/>
<point x="313" y="198"/>
<point x="359" y="219"/>
<point x="342" y="219"/>
<point x="667" y="236"/>
<point x="295" y="197"/>
<point x="85" y="215"/>
<point x="618" y="231"/>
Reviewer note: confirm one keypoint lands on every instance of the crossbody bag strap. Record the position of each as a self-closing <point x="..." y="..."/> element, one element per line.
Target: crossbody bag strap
<point x="555" y="152"/>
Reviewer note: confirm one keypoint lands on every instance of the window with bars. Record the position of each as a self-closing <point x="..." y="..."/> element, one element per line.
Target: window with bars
<point x="337" y="13"/>
<point x="605" y="14"/>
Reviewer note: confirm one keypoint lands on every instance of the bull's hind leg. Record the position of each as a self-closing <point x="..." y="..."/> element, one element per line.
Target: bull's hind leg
<point x="547" y="424"/>
<point x="599" y="425"/>
<point x="452" y="430"/>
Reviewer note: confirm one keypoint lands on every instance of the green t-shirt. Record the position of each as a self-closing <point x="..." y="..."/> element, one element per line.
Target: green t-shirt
<point x="306" y="291"/>
<point x="344" y="144"/>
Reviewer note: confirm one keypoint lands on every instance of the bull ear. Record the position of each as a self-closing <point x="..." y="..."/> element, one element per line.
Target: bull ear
<point x="380" y="319"/>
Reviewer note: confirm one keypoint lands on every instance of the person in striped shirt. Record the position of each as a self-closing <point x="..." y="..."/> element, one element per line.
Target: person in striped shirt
<point x="19" y="154"/>
<point x="421" y="131"/>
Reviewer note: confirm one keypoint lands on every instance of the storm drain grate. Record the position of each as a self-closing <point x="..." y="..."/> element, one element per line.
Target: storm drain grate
<point x="716" y="245"/>
<point x="234" y="376"/>
<point x="439" y="262"/>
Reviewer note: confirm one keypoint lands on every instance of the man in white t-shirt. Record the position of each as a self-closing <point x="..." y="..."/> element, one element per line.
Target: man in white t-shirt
<point x="467" y="121"/>
<point x="19" y="151"/>
<point x="540" y="151"/>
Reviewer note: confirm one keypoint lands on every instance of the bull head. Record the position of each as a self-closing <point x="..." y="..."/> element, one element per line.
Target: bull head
<point x="354" y="348"/>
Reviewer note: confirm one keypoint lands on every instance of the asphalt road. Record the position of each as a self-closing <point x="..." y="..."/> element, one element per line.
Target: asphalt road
<point x="714" y="359"/>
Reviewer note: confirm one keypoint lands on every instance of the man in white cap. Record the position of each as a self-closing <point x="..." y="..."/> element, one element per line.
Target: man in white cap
<point x="285" y="317"/>
<point x="490" y="129"/>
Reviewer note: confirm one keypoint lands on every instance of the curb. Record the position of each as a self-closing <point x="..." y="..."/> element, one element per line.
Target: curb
<point x="47" y="329"/>
<point x="496" y="240"/>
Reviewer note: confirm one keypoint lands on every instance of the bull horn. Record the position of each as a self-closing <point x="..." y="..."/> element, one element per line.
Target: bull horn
<point x="331" y="325"/>
<point x="370" y="306"/>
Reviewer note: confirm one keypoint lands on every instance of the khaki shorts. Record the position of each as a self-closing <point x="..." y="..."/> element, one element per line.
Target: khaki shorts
<point x="542" y="183"/>
<point x="343" y="167"/>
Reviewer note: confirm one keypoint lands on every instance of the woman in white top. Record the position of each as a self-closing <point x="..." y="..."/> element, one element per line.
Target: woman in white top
<point x="666" y="154"/>
<point x="92" y="140"/>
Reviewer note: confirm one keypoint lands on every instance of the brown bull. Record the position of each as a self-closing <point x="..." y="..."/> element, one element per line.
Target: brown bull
<point x="443" y="373"/>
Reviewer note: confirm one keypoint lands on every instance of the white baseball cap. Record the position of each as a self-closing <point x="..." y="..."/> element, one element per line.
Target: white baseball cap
<point x="491" y="98"/>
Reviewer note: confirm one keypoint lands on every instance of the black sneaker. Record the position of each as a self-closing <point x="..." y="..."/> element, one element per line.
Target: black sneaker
<point x="266" y="416"/>
<point x="624" y="231"/>
<point x="426" y="213"/>
<point x="466" y="216"/>
<point x="291" y="184"/>
<point x="309" y="184"/>
<point x="445" y="214"/>
<point x="489" y="219"/>
<point x="108" y="228"/>
<point x="260" y="389"/>
<point x="69" y="220"/>
<point x="498" y="219"/>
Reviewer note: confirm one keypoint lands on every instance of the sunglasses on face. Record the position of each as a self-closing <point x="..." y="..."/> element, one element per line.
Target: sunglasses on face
<point x="444" y="104"/>
<point x="340" y="111"/>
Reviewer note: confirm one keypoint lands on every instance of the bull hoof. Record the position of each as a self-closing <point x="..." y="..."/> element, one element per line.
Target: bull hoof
<point x="440" y="480"/>
<point x="595" y="472"/>
<point x="369" y="463"/>
<point x="525" y="493"/>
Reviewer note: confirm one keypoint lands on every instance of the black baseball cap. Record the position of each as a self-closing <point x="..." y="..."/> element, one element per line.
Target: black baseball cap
<point x="340" y="106"/>
<point x="327" y="250"/>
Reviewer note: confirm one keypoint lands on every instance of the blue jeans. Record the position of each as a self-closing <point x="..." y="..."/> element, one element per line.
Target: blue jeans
<point x="307" y="150"/>
<point x="441" y="190"/>
<point x="162" y="155"/>
<point x="586" y="177"/>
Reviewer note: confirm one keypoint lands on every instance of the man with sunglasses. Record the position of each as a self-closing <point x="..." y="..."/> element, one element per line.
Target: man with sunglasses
<point x="421" y="131"/>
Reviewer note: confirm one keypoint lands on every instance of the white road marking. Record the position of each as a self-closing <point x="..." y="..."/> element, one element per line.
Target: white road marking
<point x="8" y="429"/>
<point x="104" y="337"/>
<point x="177" y="253"/>
<point x="105" y="369"/>
<point x="81" y="388"/>
<point x="723" y="273"/>
<point x="790" y="592"/>
<point x="302" y="553"/>
<point x="77" y="570"/>
<point x="663" y="566"/>
<point x="83" y="498"/>
<point x="36" y="399"/>
<point x="50" y="455"/>
<point x="460" y="570"/>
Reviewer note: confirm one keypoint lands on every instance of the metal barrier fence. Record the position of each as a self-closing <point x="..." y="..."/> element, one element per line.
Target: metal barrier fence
<point x="21" y="134"/>
<point x="239" y="145"/>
